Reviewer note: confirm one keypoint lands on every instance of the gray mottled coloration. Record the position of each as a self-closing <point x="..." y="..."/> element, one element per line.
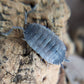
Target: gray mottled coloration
<point x="43" y="41"/>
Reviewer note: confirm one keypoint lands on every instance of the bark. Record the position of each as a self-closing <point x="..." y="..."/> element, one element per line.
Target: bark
<point x="19" y="64"/>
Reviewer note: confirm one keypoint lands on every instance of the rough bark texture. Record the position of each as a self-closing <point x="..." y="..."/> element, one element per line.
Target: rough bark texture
<point x="19" y="64"/>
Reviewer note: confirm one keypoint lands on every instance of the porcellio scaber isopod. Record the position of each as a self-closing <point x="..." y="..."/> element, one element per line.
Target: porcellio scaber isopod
<point x="45" y="42"/>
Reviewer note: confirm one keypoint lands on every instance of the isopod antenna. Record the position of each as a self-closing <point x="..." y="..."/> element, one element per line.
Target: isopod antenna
<point x="26" y="13"/>
<point x="7" y="33"/>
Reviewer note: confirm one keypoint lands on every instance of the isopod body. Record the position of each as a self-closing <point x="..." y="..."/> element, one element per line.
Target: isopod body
<point x="45" y="43"/>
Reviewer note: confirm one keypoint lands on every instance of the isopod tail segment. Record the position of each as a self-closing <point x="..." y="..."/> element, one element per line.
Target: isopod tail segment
<point x="65" y="60"/>
<point x="62" y="66"/>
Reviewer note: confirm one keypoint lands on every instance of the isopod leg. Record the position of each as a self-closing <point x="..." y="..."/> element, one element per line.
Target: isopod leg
<point x="7" y="33"/>
<point x="66" y="60"/>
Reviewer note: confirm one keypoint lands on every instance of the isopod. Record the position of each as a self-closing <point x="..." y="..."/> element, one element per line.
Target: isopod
<point x="42" y="40"/>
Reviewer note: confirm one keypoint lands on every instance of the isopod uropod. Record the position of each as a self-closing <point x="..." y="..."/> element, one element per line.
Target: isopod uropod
<point x="43" y="41"/>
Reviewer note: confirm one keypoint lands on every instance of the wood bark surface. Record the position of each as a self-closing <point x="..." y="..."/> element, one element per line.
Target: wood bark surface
<point x="19" y="64"/>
